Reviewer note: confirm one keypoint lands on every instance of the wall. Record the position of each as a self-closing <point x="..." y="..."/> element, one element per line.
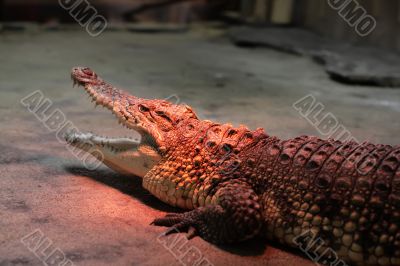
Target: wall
<point x="320" y="17"/>
<point x="114" y="10"/>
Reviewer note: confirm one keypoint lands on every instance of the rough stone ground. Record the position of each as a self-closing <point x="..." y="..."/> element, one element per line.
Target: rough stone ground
<point x="343" y="61"/>
<point x="101" y="218"/>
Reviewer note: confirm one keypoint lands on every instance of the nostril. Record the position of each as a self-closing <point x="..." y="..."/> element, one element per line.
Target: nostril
<point x="83" y="75"/>
<point x="87" y="71"/>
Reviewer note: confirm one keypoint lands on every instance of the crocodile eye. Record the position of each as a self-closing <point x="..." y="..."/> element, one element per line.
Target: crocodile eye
<point x="163" y="115"/>
<point x="143" y="108"/>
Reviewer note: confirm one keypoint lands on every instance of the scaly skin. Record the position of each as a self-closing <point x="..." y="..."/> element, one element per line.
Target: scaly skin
<point x="237" y="184"/>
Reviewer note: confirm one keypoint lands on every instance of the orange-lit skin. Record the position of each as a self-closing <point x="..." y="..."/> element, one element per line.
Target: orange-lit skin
<point x="238" y="184"/>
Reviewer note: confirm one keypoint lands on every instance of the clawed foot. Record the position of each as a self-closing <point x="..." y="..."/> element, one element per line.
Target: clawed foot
<point x="235" y="218"/>
<point x="179" y="222"/>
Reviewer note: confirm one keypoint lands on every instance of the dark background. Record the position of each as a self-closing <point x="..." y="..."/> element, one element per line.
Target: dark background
<point x="312" y="14"/>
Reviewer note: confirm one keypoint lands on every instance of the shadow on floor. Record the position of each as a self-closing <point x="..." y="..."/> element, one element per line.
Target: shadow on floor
<point x="253" y="247"/>
<point x="258" y="246"/>
<point x="132" y="186"/>
<point x="129" y="185"/>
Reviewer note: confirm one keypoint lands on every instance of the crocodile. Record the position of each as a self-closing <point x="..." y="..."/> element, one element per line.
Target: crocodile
<point x="337" y="200"/>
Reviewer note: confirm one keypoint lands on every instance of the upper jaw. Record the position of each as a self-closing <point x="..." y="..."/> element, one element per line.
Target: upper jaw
<point x="119" y="102"/>
<point x="100" y="92"/>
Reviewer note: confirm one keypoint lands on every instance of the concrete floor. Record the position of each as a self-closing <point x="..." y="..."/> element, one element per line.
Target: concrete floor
<point x="101" y="218"/>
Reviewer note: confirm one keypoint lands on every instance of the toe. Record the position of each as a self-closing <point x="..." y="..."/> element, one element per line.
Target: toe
<point x="167" y="221"/>
<point x="192" y="232"/>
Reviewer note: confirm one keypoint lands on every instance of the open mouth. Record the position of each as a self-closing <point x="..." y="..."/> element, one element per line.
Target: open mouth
<point x="100" y="93"/>
<point x="132" y="112"/>
<point x="123" y="154"/>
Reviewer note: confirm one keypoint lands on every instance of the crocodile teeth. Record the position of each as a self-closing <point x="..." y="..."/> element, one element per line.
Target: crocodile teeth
<point x="100" y="100"/>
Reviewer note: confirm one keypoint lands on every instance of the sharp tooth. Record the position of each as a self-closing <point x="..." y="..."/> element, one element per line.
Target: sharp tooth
<point x="100" y="99"/>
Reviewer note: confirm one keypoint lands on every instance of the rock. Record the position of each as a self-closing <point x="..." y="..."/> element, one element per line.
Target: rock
<point x="344" y="62"/>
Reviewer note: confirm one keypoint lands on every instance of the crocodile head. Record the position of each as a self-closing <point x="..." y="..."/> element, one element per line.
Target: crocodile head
<point x="155" y="120"/>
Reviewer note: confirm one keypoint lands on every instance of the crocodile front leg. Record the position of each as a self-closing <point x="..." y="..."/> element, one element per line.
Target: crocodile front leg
<point x="200" y="174"/>
<point x="236" y="216"/>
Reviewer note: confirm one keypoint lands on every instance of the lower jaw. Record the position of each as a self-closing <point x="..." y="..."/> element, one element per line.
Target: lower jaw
<point x="124" y="155"/>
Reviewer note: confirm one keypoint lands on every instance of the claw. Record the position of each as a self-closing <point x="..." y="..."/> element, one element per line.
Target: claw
<point x="171" y="230"/>
<point x="177" y="223"/>
<point x="192" y="232"/>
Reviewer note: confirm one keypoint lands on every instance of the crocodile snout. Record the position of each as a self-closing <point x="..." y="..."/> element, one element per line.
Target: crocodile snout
<point x="83" y="75"/>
